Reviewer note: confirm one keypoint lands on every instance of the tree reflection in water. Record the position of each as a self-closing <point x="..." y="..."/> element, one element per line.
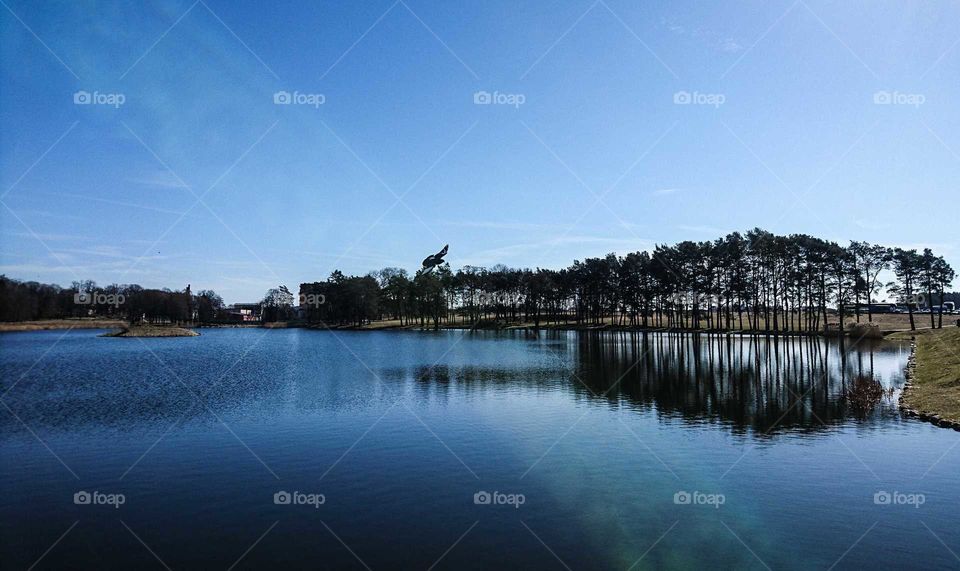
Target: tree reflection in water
<point x="761" y="384"/>
<point x="758" y="385"/>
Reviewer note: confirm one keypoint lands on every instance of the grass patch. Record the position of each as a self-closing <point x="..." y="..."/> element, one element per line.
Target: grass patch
<point x="47" y="324"/>
<point x="935" y="387"/>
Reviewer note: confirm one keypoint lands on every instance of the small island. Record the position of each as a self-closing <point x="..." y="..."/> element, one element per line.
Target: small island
<point x="152" y="331"/>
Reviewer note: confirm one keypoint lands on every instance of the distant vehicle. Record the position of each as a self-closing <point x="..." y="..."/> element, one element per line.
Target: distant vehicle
<point x="948" y="307"/>
<point x="878" y="307"/>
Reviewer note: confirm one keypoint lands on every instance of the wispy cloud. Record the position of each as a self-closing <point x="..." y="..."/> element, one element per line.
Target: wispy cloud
<point x="672" y="26"/>
<point x="159" y="179"/>
<point x="59" y="273"/>
<point x="49" y="237"/>
<point x="104" y="251"/>
<point x="369" y="258"/>
<point x="871" y="224"/>
<point x="729" y="45"/>
<point x="246" y="283"/>
<point x="711" y="38"/>
<point x="23" y="271"/>
<point x="116" y="203"/>
<point x="252" y="266"/>
<point x="702" y="230"/>
<point x="564" y="247"/>
<point x="500" y="225"/>
<point x="665" y="191"/>
<point x="28" y="214"/>
<point x="939" y="248"/>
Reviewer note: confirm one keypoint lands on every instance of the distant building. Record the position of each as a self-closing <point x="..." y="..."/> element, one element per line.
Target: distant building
<point x="244" y="312"/>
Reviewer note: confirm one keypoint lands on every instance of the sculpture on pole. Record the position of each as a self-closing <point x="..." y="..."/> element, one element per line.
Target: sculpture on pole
<point x="434" y="260"/>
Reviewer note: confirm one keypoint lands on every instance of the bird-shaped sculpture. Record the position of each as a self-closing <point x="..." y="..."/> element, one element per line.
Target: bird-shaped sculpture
<point x="434" y="260"/>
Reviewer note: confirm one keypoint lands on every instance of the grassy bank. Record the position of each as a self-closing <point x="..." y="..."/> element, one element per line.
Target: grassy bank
<point x="888" y="324"/>
<point x="894" y="326"/>
<point x="934" y="390"/>
<point x="48" y="324"/>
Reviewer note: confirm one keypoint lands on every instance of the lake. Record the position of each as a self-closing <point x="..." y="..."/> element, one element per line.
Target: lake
<point x="258" y="448"/>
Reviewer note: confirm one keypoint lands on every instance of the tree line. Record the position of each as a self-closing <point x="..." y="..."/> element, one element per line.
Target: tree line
<point x="755" y="281"/>
<point x="32" y="301"/>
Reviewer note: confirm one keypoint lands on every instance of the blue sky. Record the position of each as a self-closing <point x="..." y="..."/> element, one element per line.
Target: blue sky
<point x="783" y="131"/>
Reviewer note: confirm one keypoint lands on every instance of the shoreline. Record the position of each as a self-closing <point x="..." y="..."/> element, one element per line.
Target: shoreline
<point x="152" y="331"/>
<point x="581" y="328"/>
<point x="60" y="324"/>
<point x="530" y="327"/>
<point x="929" y="391"/>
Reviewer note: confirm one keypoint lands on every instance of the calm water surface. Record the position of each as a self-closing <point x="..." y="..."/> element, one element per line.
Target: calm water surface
<point x="602" y="434"/>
